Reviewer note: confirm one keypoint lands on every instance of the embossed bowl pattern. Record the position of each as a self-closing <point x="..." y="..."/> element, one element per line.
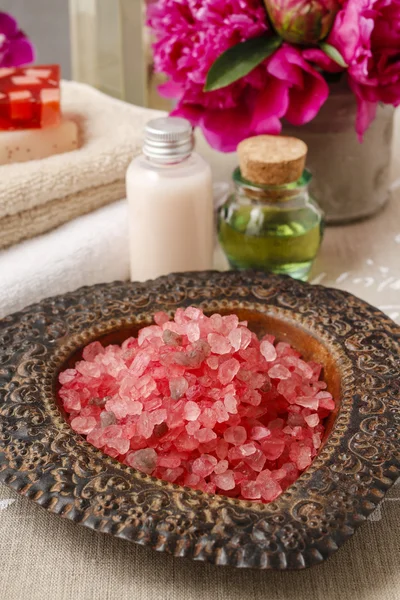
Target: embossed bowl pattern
<point x="44" y="460"/>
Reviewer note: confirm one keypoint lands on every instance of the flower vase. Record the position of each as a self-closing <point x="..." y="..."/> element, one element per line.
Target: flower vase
<point x="351" y="179"/>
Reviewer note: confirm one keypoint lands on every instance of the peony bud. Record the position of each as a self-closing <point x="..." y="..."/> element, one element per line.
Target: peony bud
<point x="302" y="21"/>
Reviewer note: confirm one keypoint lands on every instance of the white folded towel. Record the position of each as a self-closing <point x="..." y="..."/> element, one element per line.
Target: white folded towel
<point x="91" y="249"/>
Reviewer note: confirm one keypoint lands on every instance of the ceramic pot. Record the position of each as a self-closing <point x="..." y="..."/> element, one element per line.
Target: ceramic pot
<point x="351" y="179"/>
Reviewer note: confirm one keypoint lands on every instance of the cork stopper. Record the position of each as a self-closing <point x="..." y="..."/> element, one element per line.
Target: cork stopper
<point x="272" y="159"/>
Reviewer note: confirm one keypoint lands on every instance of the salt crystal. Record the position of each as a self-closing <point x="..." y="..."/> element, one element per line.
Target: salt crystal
<point x="278" y="474"/>
<point x="178" y="387"/>
<point x="270" y="490"/>
<point x="245" y="338"/>
<point x="160" y="430"/>
<point x="71" y="400"/>
<point x="219" y="344"/>
<point x="247" y="449"/>
<point x="171" y="338"/>
<point x="221" y="467"/>
<point x="193" y="313"/>
<point x="312" y="420"/>
<point x="180" y="316"/>
<point x="230" y="403"/>
<point x="192" y="427"/>
<point x="193" y="332"/>
<point x="67" y="376"/>
<point x="118" y="406"/>
<point x="92" y="350"/>
<point x="308" y="402"/>
<point x="252" y="397"/>
<point x="170" y="462"/>
<point x="225" y="481"/>
<point x="149" y="332"/>
<point x="220" y="412"/>
<point x="279" y="372"/>
<point x="204" y="465"/>
<point x="107" y="418"/>
<point x="304" y="368"/>
<point x="216" y="322"/>
<point x="160" y="318"/>
<point x="300" y="455"/>
<point x="205" y="435"/>
<point x="88" y="369"/>
<point x="134" y="408"/>
<point x="172" y="474"/>
<point x="145" y="426"/>
<point x="208" y="418"/>
<point x="325" y="400"/>
<point x="158" y="416"/>
<point x="119" y="444"/>
<point x="235" y="338"/>
<point x="191" y="411"/>
<point x="250" y="490"/>
<point x="316" y="440"/>
<point x="287" y="387"/>
<point x="144" y="460"/>
<point x="186" y="443"/>
<point x="259" y="433"/>
<point x="273" y="448"/>
<point x="256" y="460"/>
<point x="235" y="435"/>
<point x="221" y="449"/>
<point x="191" y="480"/>
<point x="213" y="362"/>
<point x="140" y="363"/>
<point x="268" y="351"/>
<point x="228" y="370"/>
<point x="83" y="425"/>
<point x="230" y="323"/>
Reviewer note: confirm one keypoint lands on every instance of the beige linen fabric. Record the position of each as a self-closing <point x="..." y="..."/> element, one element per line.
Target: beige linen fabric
<point x="37" y="196"/>
<point x="45" y="217"/>
<point x="44" y="557"/>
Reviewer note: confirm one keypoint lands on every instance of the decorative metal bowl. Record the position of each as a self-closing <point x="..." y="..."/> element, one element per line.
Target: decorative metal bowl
<point x="44" y="460"/>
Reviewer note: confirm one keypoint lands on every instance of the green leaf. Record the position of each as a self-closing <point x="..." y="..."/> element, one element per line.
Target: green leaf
<point x="334" y="54"/>
<point x="239" y="60"/>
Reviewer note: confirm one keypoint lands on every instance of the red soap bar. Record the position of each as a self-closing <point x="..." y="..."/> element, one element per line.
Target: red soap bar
<point x="30" y="97"/>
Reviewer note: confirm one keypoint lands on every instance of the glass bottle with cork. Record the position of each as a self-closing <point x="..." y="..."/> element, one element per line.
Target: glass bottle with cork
<point x="270" y="221"/>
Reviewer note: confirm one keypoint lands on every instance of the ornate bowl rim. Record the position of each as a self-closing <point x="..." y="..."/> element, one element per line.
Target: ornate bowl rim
<point x="44" y="460"/>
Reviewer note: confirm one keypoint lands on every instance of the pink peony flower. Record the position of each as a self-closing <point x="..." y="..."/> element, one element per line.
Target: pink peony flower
<point x="302" y="21"/>
<point x="15" y="48"/>
<point x="367" y="33"/>
<point x="191" y="34"/>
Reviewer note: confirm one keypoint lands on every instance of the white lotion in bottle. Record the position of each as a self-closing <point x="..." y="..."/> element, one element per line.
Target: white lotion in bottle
<point x="169" y="191"/>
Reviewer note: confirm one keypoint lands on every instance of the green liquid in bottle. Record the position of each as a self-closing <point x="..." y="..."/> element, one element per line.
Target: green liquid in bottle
<point x="283" y="238"/>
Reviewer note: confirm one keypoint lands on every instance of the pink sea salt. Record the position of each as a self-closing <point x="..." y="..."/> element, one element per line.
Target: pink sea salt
<point x="235" y="435"/>
<point x="200" y="401"/>
<point x="191" y="411"/>
<point x="225" y="481"/>
<point x="144" y="460"/>
<point x="228" y="370"/>
<point x="268" y="351"/>
<point x="204" y="465"/>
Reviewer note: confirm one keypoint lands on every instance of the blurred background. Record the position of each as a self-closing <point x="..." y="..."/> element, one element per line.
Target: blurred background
<point x="100" y="42"/>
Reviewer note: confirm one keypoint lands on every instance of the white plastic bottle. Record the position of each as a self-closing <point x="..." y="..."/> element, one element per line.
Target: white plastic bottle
<point x="169" y="191"/>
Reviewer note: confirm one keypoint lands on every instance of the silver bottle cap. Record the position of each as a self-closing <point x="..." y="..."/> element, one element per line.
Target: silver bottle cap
<point x="168" y="139"/>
